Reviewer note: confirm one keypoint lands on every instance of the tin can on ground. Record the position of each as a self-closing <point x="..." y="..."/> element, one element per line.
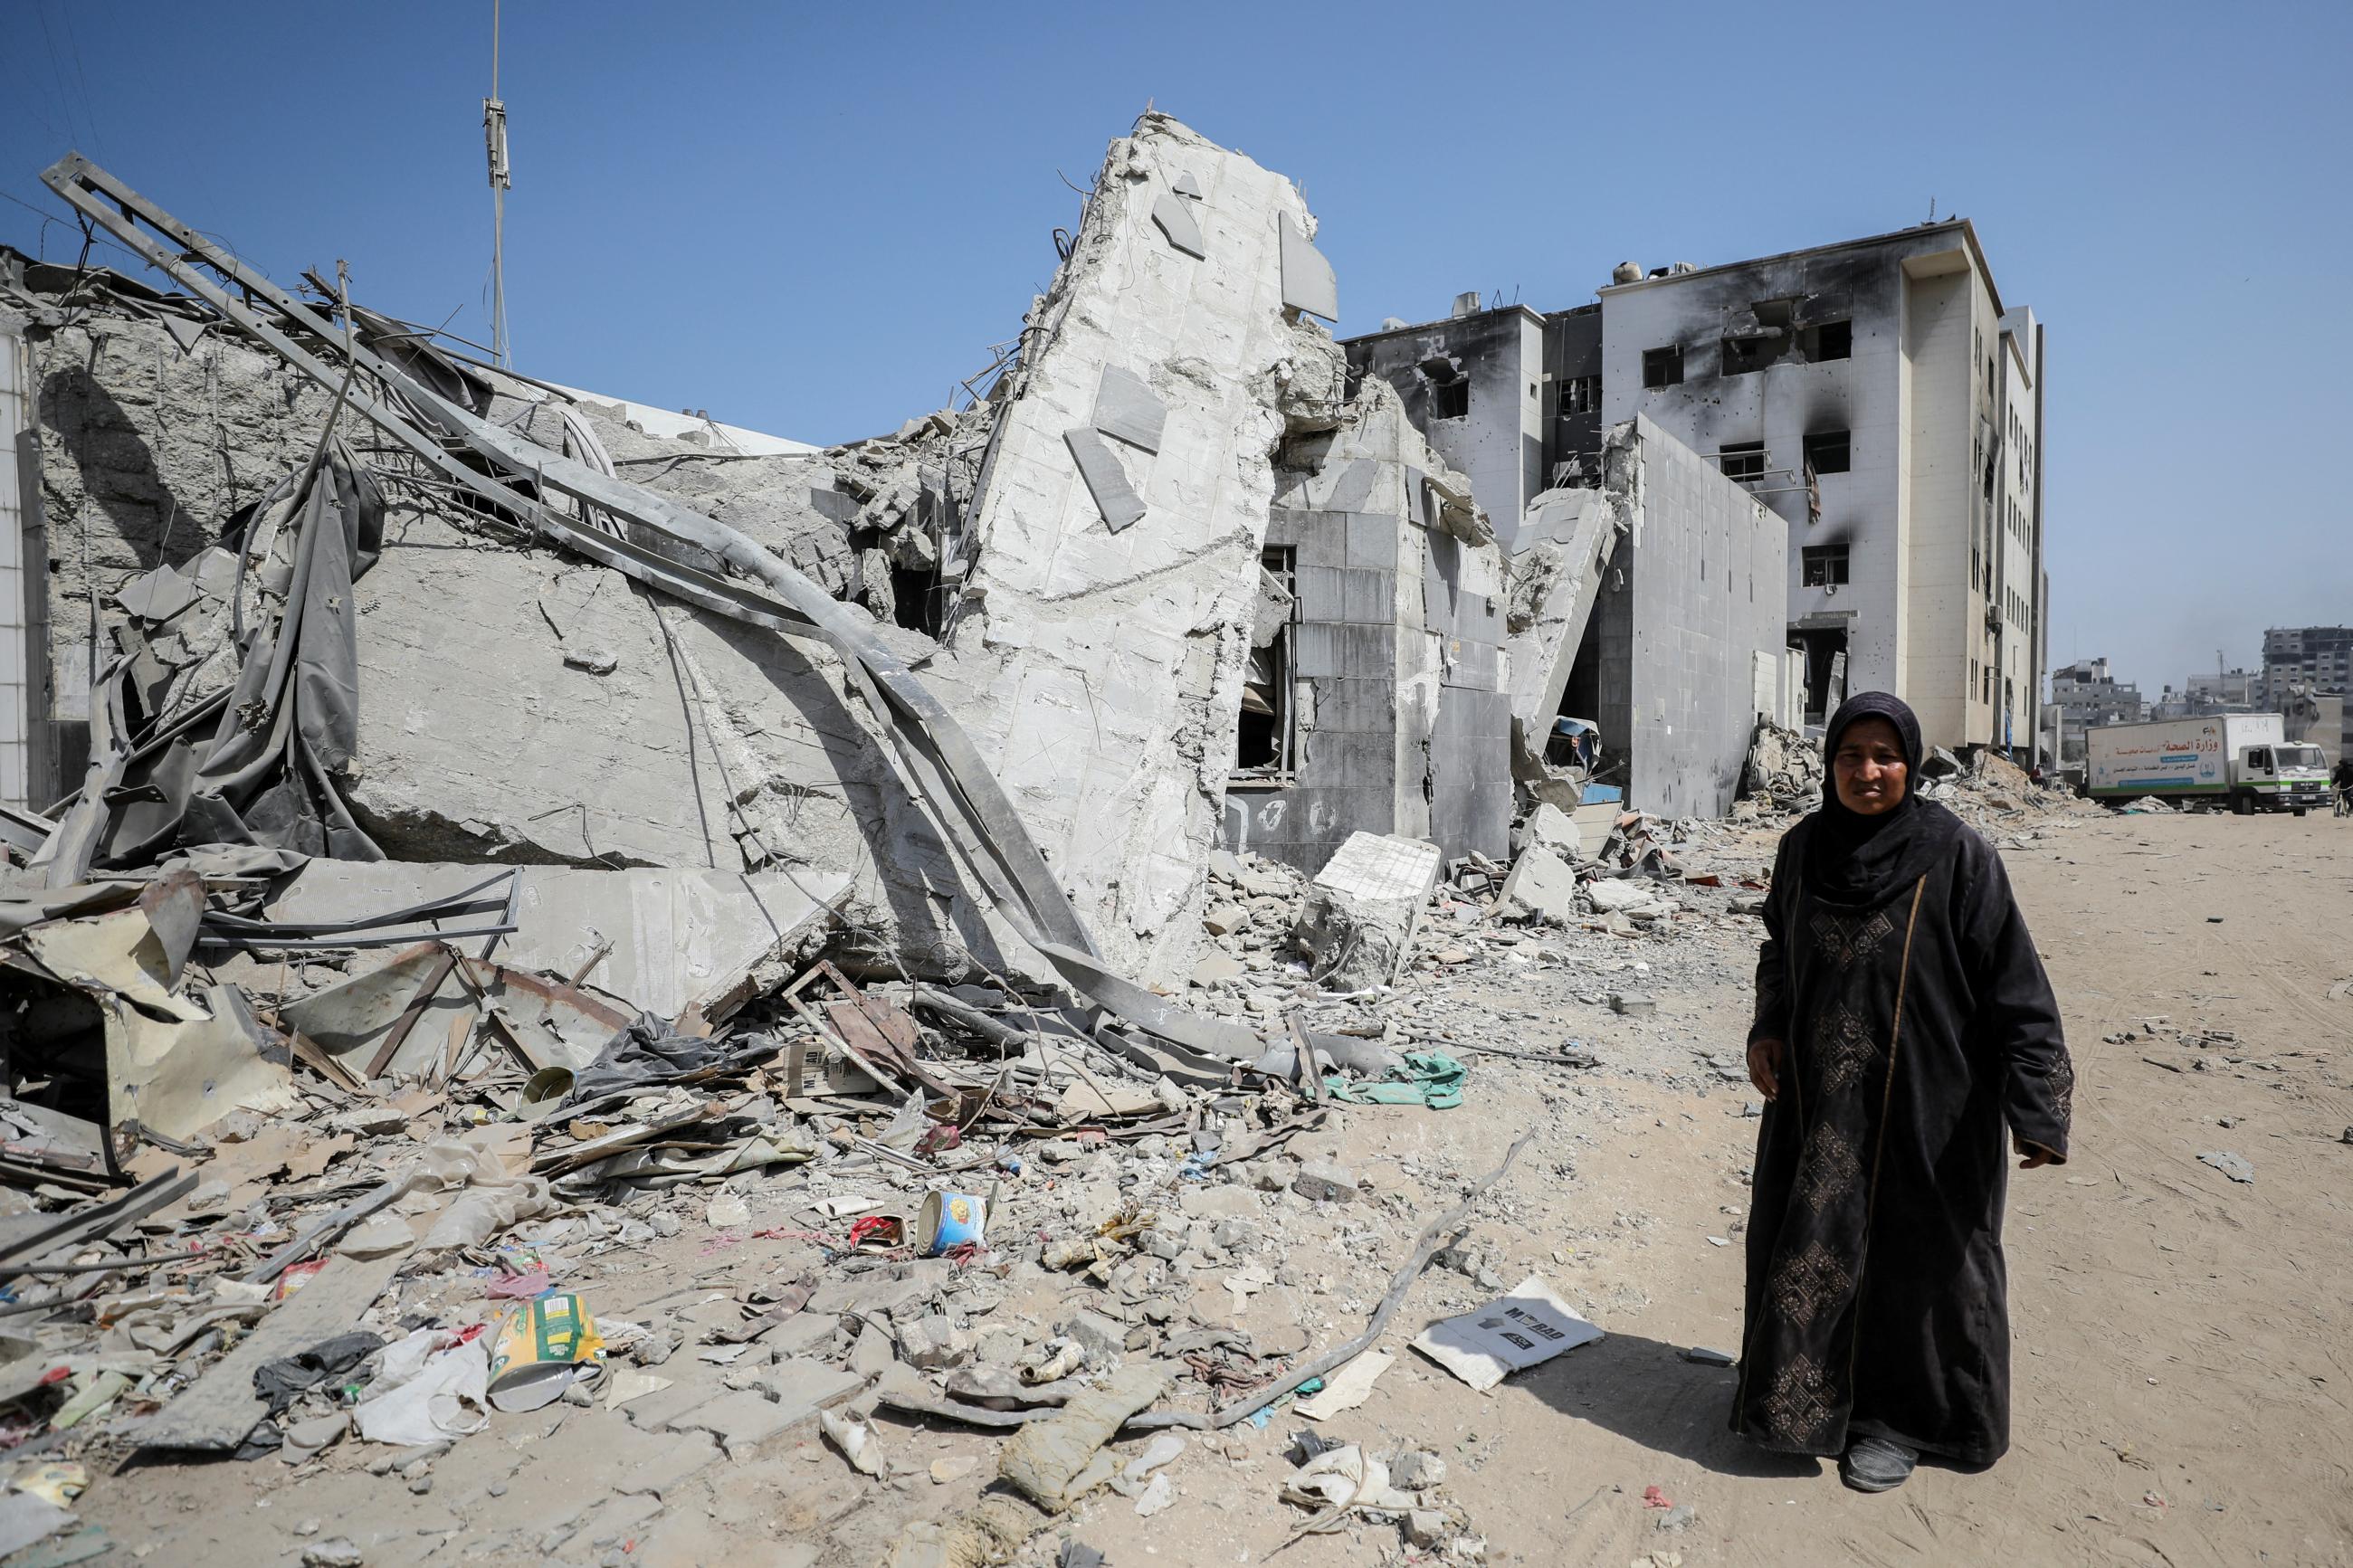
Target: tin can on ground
<point x="949" y="1219"/>
<point x="543" y="1347"/>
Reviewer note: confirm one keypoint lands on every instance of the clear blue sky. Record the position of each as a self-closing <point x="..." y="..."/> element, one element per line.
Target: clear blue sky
<point x="814" y="220"/>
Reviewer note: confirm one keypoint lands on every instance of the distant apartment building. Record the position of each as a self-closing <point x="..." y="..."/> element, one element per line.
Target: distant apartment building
<point x="1877" y="393"/>
<point x="2084" y="696"/>
<point x="2224" y="691"/>
<point x="2318" y="659"/>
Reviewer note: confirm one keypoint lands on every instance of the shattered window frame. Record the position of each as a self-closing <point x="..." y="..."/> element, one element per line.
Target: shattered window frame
<point x="1663" y="367"/>
<point x="1278" y="691"/>
<point x="1825" y="566"/>
<point x="1828" y="443"/>
<point x="1741" y="461"/>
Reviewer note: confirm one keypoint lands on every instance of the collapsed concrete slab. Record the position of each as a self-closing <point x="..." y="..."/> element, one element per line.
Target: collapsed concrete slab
<point x="1562" y="551"/>
<point x="1107" y="614"/>
<point x="1088" y="547"/>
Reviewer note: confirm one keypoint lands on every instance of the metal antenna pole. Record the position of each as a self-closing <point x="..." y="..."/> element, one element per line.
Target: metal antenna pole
<point x="494" y="138"/>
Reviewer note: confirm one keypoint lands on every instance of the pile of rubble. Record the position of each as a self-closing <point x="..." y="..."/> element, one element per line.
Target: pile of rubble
<point x="1783" y="778"/>
<point x="572" y="911"/>
<point x="523" y="841"/>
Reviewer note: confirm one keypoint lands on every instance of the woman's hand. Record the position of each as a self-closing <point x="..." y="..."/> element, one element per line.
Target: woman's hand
<point x="1766" y="1059"/>
<point x="2032" y="1155"/>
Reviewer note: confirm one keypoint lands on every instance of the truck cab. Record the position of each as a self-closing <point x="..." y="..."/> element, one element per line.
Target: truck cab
<point x="2289" y="776"/>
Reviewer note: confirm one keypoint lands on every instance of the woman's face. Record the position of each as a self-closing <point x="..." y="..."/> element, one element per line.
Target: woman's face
<point x="1870" y="769"/>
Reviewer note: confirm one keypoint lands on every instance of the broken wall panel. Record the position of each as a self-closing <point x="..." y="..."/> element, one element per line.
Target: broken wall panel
<point x="1695" y="604"/>
<point x="1396" y="657"/>
<point x="1565" y="548"/>
<point x="1110" y="665"/>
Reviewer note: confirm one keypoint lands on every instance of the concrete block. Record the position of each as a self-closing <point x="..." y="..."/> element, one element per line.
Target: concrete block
<point x="1549" y="827"/>
<point x="1357" y="921"/>
<point x="1542" y="885"/>
<point x="1103" y="1339"/>
<point x="1612" y="894"/>
<point x="1382" y="868"/>
<point x="1325" y="1182"/>
<point x="933" y="1342"/>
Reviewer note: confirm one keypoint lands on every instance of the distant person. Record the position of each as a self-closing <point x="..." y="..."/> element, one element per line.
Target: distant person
<point x="1903" y="1018"/>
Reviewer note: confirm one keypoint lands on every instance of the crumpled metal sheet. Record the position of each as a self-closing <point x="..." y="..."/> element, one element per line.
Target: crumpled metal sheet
<point x="178" y="1079"/>
<point x="135" y="952"/>
<point x="947" y="772"/>
<point x="265" y="776"/>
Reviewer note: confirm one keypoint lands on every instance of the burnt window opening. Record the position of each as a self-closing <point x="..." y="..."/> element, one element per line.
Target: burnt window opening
<point x="1580" y="395"/>
<point x="1828" y="452"/>
<point x="1829" y="340"/>
<point x="1825" y="566"/>
<point x="918" y="600"/>
<point x="1742" y="459"/>
<point x="1744" y="355"/>
<point x="1449" y="389"/>
<point x="1663" y="367"/>
<point x="1264" y="737"/>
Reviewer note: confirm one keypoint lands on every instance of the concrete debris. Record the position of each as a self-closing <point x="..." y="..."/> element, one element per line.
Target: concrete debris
<point x="1363" y="909"/>
<point x="894" y="926"/>
<point x="1542" y="886"/>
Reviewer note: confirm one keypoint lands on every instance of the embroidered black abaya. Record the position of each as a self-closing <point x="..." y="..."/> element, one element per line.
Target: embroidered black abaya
<point x="1919" y="1025"/>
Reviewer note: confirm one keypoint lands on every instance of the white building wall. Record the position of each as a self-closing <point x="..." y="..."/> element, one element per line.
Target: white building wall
<point x="16" y="703"/>
<point x="1940" y="634"/>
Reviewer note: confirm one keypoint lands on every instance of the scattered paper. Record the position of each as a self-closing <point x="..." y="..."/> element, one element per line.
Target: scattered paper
<point x="1348" y="1387"/>
<point x="1508" y="1334"/>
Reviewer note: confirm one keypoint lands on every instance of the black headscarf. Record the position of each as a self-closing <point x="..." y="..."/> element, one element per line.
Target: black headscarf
<point x="1858" y="861"/>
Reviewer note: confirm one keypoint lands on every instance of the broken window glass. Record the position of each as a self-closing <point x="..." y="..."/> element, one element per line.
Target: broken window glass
<point x="1826" y="453"/>
<point x="1450" y="399"/>
<point x="1829" y="340"/>
<point x="1825" y="566"/>
<point x="1663" y="367"/>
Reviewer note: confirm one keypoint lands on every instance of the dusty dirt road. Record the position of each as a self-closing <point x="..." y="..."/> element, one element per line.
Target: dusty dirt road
<point x="2184" y="1355"/>
<point x="2184" y="1350"/>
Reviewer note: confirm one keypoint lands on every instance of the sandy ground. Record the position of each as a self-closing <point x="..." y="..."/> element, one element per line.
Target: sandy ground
<point x="2184" y="1366"/>
<point x="2184" y="1342"/>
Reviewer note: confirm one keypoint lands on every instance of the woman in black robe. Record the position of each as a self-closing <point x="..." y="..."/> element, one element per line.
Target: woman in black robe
<point x="1903" y="1018"/>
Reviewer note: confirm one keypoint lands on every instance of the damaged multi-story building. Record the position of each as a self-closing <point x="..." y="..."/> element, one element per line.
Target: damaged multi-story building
<point x="286" y="574"/>
<point x="1875" y="393"/>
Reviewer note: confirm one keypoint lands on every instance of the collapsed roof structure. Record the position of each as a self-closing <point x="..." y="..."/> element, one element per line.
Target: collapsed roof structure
<point x="402" y="744"/>
<point x="357" y="613"/>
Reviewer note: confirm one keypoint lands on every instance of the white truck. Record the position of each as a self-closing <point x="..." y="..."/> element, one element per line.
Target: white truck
<point x="2242" y="758"/>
